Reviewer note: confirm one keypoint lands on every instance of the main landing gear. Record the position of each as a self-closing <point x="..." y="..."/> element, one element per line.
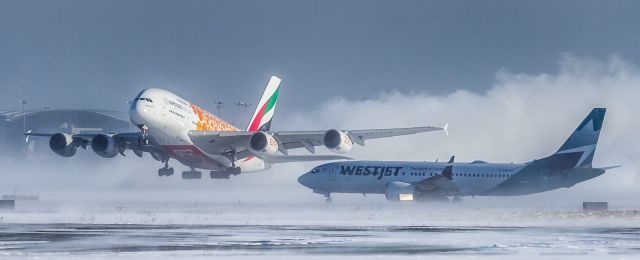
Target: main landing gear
<point x="192" y="174"/>
<point x="225" y="173"/>
<point x="166" y="170"/>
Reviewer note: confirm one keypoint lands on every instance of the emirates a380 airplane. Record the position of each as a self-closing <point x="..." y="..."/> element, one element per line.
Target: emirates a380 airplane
<point x="172" y="127"/>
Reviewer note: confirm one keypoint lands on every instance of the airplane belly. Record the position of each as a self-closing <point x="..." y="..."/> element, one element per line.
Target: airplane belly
<point x="465" y="189"/>
<point x="367" y="188"/>
<point x="358" y="185"/>
<point x="176" y="143"/>
<point x="471" y="186"/>
<point x="191" y="156"/>
<point x="485" y="186"/>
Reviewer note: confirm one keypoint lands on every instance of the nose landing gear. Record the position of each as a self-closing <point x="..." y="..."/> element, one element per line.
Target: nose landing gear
<point x="143" y="138"/>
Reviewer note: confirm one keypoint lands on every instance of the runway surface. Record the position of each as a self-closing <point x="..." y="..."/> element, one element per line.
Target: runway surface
<point x="317" y="232"/>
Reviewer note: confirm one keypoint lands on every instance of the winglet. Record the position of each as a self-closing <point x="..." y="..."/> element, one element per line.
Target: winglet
<point x="26" y="136"/>
<point x="453" y="158"/>
<point x="444" y="128"/>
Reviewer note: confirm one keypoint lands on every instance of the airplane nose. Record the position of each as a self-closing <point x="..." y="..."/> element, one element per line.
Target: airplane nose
<point x="304" y="180"/>
<point x="137" y="114"/>
<point x="135" y="117"/>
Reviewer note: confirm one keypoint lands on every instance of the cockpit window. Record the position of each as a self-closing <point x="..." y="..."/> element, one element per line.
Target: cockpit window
<point x="316" y="170"/>
<point x="145" y="99"/>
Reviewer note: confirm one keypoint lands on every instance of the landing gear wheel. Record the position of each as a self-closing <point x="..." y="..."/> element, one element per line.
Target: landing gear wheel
<point x="219" y="174"/>
<point x="165" y="172"/>
<point x="192" y="174"/>
<point x="225" y="173"/>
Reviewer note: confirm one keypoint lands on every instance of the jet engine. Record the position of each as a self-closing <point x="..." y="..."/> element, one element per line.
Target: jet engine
<point x="400" y="191"/>
<point x="337" y="141"/>
<point x="104" y="145"/>
<point x="263" y="143"/>
<point x="63" y="145"/>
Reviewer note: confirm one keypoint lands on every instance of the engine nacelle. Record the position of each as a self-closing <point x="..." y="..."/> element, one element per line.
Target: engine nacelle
<point x="400" y="191"/>
<point x="337" y="141"/>
<point x="63" y="145"/>
<point x="263" y="143"/>
<point x="104" y="145"/>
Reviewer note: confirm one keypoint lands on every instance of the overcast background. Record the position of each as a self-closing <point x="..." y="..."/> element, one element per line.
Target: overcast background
<point x="513" y="78"/>
<point x="100" y="53"/>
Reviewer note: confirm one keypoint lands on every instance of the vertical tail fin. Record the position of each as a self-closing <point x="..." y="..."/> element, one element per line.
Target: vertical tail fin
<point x="261" y="119"/>
<point x="585" y="138"/>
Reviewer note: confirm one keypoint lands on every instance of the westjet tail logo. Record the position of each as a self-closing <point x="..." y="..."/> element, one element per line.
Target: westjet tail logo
<point x="370" y="171"/>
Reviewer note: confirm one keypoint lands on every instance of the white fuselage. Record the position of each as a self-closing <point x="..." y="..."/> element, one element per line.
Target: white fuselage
<point x="168" y="119"/>
<point x="372" y="177"/>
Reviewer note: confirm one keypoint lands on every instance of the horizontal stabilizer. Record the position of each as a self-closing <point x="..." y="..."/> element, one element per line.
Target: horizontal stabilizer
<point x="609" y="167"/>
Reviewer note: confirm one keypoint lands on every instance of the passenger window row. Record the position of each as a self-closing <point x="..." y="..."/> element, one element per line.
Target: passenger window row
<point x="489" y="175"/>
<point x="486" y="175"/>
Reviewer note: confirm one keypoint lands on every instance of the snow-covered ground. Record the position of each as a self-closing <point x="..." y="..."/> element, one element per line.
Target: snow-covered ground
<point x="315" y="231"/>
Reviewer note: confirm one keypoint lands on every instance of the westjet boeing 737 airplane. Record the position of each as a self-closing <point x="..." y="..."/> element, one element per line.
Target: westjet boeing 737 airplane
<point x="172" y="127"/>
<point x="570" y="165"/>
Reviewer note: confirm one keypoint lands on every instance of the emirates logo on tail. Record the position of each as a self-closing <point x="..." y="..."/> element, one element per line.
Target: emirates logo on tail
<point x="261" y="119"/>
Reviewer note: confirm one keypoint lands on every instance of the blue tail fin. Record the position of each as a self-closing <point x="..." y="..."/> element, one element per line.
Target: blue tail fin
<point x="584" y="139"/>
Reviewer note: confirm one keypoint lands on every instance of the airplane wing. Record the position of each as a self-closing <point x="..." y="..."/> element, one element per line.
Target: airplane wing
<point x="238" y="141"/>
<point x="296" y="139"/>
<point x="441" y="182"/>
